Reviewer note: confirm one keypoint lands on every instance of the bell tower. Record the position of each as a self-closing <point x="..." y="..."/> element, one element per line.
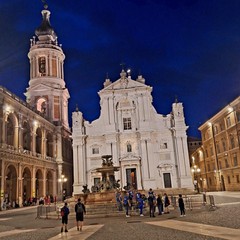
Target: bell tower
<point x="47" y="91"/>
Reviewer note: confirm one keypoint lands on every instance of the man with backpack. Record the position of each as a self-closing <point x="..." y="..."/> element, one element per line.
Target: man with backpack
<point x="64" y="213"/>
<point x="80" y="210"/>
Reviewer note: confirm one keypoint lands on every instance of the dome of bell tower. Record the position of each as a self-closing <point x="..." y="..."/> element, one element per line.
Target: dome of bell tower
<point x="45" y="32"/>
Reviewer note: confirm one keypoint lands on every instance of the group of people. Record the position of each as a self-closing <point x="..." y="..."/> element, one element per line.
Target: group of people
<point x="138" y="200"/>
<point x="80" y="210"/>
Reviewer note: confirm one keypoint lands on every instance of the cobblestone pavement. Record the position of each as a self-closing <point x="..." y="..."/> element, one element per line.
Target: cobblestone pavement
<point x="21" y="224"/>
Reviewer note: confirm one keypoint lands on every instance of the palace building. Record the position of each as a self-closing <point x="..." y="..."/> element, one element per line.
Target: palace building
<point x="217" y="160"/>
<point x="150" y="149"/>
<point x="36" y="149"/>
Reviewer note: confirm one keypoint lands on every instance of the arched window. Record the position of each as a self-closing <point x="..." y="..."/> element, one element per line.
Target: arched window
<point x="42" y="105"/>
<point x="26" y="136"/>
<point x="39" y="141"/>
<point x="10" y="131"/>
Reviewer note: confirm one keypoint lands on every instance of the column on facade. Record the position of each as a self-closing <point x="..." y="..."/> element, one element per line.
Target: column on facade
<point x="44" y="181"/>
<point x="54" y="183"/>
<point x="60" y="184"/>
<point x="20" y="133"/>
<point x="47" y="66"/>
<point x="15" y="138"/>
<point x="142" y="108"/>
<point x="111" y="110"/>
<point x="33" y="184"/>
<point x="2" y="181"/>
<point x="34" y="141"/>
<point x="44" y="143"/>
<point x="183" y="166"/>
<point x="105" y="110"/>
<point x="2" y="132"/>
<point x="146" y="107"/>
<point x="145" y="159"/>
<point x="19" y="186"/>
<point x="79" y="166"/>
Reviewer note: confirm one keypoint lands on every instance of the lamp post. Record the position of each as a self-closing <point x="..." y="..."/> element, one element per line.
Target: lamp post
<point x="62" y="180"/>
<point x="195" y="171"/>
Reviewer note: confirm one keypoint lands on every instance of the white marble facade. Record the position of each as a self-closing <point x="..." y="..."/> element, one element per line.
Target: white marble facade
<point x="150" y="148"/>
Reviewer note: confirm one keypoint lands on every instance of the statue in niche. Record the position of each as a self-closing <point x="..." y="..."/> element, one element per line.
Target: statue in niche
<point x="43" y="107"/>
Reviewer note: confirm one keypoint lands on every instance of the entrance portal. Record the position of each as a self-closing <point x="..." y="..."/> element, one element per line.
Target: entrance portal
<point x="167" y="180"/>
<point x="131" y="177"/>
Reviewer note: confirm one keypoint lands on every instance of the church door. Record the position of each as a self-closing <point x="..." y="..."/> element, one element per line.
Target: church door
<point x="131" y="177"/>
<point x="167" y="180"/>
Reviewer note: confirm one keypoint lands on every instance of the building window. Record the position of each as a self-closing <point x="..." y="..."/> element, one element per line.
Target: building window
<point x="210" y="181"/>
<point x="237" y="179"/>
<point x="206" y="151"/>
<point x="164" y="145"/>
<point x="221" y="127"/>
<point x="235" y="160"/>
<point x="95" y="150"/>
<point x="127" y="124"/>
<point x="42" y="66"/>
<point x="226" y="163"/>
<point x="232" y="142"/>
<point x="218" y="148"/>
<point x="211" y="151"/>
<point x="228" y="122"/>
<point x="229" y="179"/>
<point x="209" y="168"/>
<point x="129" y="147"/>
<point x="224" y="145"/>
<point x="220" y="165"/>
<point x="215" y="129"/>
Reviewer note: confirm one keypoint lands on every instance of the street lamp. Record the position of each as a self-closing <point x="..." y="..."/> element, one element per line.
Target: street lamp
<point x="195" y="171"/>
<point x="62" y="180"/>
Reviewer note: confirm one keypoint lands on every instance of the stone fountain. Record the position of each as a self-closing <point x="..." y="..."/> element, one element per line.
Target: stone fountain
<point x="104" y="191"/>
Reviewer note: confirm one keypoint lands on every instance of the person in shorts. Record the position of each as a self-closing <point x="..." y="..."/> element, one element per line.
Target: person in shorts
<point x="80" y="210"/>
<point x="64" y="213"/>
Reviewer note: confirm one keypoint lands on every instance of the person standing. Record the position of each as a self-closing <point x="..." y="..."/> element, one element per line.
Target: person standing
<point x="166" y="203"/>
<point x="80" y="210"/>
<point x="64" y="213"/>
<point x="181" y="205"/>
<point x="119" y="200"/>
<point x="160" y="204"/>
<point x="126" y="203"/>
<point x="140" y="205"/>
<point x="151" y="202"/>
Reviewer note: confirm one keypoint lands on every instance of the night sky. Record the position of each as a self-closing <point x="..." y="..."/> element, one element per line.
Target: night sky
<point x="188" y="48"/>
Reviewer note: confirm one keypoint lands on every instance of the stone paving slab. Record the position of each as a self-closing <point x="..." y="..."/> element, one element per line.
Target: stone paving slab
<point x="73" y="234"/>
<point x="202" y="229"/>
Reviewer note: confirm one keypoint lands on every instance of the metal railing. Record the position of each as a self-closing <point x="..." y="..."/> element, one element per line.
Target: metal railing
<point x="44" y="211"/>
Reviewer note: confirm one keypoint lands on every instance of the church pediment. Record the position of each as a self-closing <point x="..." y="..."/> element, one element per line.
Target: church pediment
<point x="124" y="83"/>
<point x="130" y="157"/>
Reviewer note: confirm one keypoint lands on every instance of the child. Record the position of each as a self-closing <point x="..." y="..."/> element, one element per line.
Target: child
<point x="181" y="205"/>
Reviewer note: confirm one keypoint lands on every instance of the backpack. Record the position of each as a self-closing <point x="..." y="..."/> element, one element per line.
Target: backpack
<point x="79" y="208"/>
<point x="62" y="212"/>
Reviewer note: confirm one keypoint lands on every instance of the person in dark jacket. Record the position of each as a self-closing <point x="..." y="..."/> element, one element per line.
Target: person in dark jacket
<point x="160" y="204"/>
<point x="166" y="203"/>
<point x="80" y="210"/>
<point x="181" y="205"/>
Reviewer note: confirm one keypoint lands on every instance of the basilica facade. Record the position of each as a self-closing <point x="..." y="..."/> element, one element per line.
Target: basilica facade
<point x="35" y="144"/>
<point x="149" y="149"/>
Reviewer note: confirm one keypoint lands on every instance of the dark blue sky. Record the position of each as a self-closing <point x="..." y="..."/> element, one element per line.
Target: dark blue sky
<point x="188" y="48"/>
